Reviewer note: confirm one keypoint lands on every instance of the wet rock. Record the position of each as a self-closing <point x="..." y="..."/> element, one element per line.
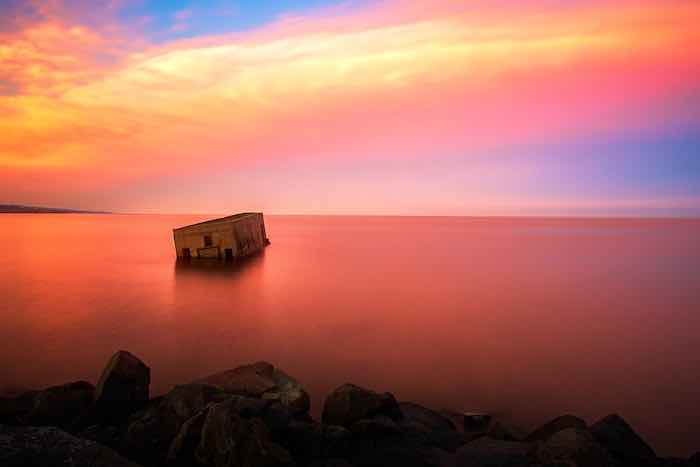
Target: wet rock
<point x="574" y="447"/>
<point x="261" y="380"/>
<point x="555" y="426"/>
<point x="61" y="405"/>
<point x="348" y="404"/>
<point x="123" y="386"/>
<point x="229" y="440"/>
<point x="615" y="434"/>
<point x="52" y="447"/>
<point x="489" y="452"/>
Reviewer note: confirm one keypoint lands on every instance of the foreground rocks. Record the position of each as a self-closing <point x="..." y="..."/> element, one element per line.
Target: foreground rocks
<point x="258" y="416"/>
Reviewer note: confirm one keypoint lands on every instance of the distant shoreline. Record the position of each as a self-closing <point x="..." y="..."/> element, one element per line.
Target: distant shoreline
<point x="21" y="209"/>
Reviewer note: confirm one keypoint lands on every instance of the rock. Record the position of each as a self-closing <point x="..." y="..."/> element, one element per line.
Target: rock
<point x="554" y="426"/>
<point x="429" y="418"/>
<point x="476" y="422"/>
<point x="14" y="409"/>
<point x="672" y="462"/>
<point x="151" y="431"/>
<point x="308" y="441"/>
<point x="182" y="450"/>
<point x="348" y="404"/>
<point x="261" y="380"/>
<point x="123" y="386"/>
<point x="61" y="405"/>
<point x="574" y="447"/>
<point x="695" y="459"/>
<point x="51" y="447"/>
<point x="489" y="452"/>
<point x="229" y="440"/>
<point x="613" y="433"/>
<point x="331" y="463"/>
<point x="499" y="430"/>
<point x="376" y="428"/>
<point x="404" y="455"/>
<point x="430" y="428"/>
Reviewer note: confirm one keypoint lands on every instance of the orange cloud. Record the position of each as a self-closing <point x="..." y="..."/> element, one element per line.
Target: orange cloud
<point x="396" y="78"/>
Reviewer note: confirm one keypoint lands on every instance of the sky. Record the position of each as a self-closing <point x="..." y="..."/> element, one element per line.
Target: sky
<point x="409" y="107"/>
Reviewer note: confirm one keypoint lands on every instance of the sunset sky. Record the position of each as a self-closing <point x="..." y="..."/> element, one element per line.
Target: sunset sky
<point x="431" y="107"/>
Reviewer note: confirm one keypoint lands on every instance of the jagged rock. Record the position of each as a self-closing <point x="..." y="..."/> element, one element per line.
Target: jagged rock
<point x="182" y="450"/>
<point x="61" y="405"/>
<point x="615" y="434"/>
<point x="476" y="422"/>
<point x="554" y="426"/>
<point x="489" y="452"/>
<point x="261" y="380"/>
<point x="348" y="404"/>
<point x="51" y="447"/>
<point x="123" y="386"/>
<point x="14" y="409"/>
<point x="575" y="448"/>
<point x="151" y="431"/>
<point x="229" y="440"/>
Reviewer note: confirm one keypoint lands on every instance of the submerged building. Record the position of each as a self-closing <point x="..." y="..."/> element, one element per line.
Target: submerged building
<point x="225" y="238"/>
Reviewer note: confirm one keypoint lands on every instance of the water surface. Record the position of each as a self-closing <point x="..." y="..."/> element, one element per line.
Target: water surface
<point x="527" y="318"/>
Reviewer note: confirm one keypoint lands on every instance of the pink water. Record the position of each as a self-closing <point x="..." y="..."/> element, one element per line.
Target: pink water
<point x="527" y="318"/>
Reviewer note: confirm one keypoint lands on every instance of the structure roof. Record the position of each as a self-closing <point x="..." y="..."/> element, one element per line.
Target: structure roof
<point x="232" y="218"/>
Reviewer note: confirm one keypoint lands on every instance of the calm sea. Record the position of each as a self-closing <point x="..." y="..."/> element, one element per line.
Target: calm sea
<point x="526" y="318"/>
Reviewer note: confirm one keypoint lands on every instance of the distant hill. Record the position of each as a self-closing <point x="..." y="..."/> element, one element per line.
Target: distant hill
<point x="20" y="209"/>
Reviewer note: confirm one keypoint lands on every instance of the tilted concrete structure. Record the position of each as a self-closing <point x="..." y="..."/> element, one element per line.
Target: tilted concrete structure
<point x="225" y="238"/>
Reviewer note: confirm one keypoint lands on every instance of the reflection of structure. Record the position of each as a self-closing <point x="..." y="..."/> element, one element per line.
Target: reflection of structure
<point x="226" y="238"/>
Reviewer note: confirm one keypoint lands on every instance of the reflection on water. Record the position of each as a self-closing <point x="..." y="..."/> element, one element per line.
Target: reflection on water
<point x="528" y="317"/>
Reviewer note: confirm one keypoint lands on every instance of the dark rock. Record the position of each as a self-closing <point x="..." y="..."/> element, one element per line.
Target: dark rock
<point x="331" y="463"/>
<point x="123" y="386"/>
<point x="404" y="455"/>
<point x="475" y="422"/>
<point x="429" y="418"/>
<point x="151" y="431"/>
<point x="555" y="426"/>
<point x="229" y="440"/>
<point x="308" y="441"/>
<point x="61" y="405"/>
<point x="575" y="448"/>
<point x="613" y="433"/>
<point x="348" y="404"/>
<point x="491" y="452"/>
<point x="182" y="451"/>
<point x="13" y="410"/>
<point x="261" y="380"/>
<point x="695" y="459"/>
<point x="500" y="430"/>
<point x="51" y="447"/>
<point x="672" y="462"/>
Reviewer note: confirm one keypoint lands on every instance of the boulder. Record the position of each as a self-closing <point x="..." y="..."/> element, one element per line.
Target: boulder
<point x="501" y="430"/>
<point x="574" y="447"/>
<point x="61" y="405"/>
<point x="150" y="432"/>
<point x="489" y="452"/>
<point x="615" y="434"/>
<point x="426" y="417"/>
<point x="331" y="463"/>
<point x="476" y="421"/>
<point x="348" y="404"/>
<point x="309" y="441"/>
<point x="555" y="426"/>
<point x="229" y="440"/>
<point x="261" y="380"/>
<point x="123" y="386"/>
<point x="52" y="447"/>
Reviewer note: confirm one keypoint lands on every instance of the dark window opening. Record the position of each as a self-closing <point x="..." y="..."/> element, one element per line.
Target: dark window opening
<point x="228" y="254"/>
<point x="208" y="241"/>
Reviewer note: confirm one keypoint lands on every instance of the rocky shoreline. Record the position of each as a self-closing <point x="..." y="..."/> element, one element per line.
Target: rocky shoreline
<point x="258" y="416"/>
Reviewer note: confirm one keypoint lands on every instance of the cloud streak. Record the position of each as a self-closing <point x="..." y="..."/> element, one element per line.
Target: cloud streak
<point x="393" y="80"/>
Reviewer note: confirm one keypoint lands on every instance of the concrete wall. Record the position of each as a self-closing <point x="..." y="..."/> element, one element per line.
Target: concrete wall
<point x="244" y="236"/>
